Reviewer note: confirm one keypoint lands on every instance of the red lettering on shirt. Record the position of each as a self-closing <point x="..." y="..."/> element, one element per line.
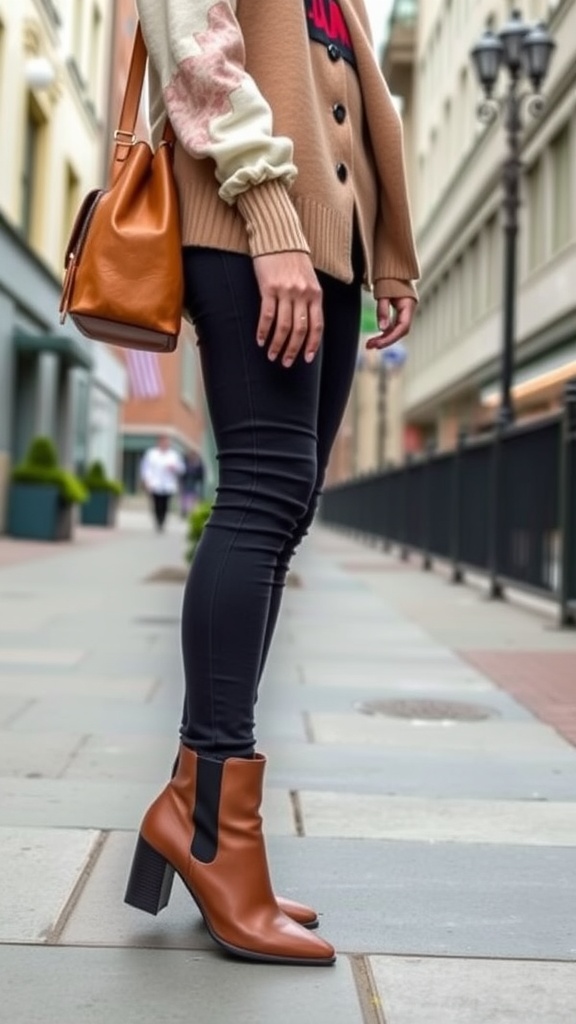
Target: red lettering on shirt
<point x="326" y="24"/>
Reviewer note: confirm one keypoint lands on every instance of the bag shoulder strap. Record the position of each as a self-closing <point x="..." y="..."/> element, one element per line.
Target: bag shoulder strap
<point x="134" y="85"/>
<point x="125" y="135"/>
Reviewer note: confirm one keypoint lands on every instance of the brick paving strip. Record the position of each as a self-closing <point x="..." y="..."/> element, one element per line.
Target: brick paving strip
<point x="542" y="681"/>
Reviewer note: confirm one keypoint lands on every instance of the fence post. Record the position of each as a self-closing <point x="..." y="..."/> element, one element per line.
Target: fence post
<point x="426" y="507"/>
<point x="568" y="509"/>
<point x="496" y="591"/>
<point x="457" y="575"/>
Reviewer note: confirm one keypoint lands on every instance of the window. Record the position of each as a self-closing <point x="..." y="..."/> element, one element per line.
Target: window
<point x="77" y="33"/>
<point x="95" y="51"/>
<point x="457" y="305"/>
<point x="34" y="132"/>
<point x="71" y="202"/>
<point x="561" y="189"/>
<point x="467" y="112"/>
<point x="444" y="311"/>
<point x="536" y="215"/>
<point x="493" y="269"/>
<point x="448" y="137"/>
<point x="2" y="39"/>
<point x="474" y="285"/>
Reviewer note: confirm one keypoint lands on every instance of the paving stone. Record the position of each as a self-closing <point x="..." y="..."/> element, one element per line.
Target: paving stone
<point x="36" y="755"/>
<point x="11" y="708"/>
<point x="394" y="632"/>
<point x="22" y="620"/>
<point x="375" y="897"/>
<point x="39" y="656"/>
<point x="97" y="715"/>
<point x="180" y="927"/>
<point x="279" y="697"/>
<point x="435" y="899"/>
<point x="323" y="670"/>
<point x="360" y="816"/>
<point x="127" y="986"/>
<point x="43" y="684"/>
<point x="40" y="868"/>
<point x="474" y="991"/>
<point x="68" y="803"/>
<point x="288" y="725"/>
<point x="124" y="758"/>
<point x="511" y="738"/>
<point x="73" y="803"/>
<point x="449" y="774"/>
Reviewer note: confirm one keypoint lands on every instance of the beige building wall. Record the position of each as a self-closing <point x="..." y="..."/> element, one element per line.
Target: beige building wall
<point x="54" y="58"/>
<point x="453" y="371"/>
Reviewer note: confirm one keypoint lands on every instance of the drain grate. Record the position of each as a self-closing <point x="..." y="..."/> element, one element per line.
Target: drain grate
<point x="427" y="710"/>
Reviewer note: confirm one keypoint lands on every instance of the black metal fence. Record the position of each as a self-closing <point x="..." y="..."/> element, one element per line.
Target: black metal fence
<point x="503" y="504"/>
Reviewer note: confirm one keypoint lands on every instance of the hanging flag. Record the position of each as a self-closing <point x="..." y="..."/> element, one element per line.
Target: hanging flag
<point x="144" y="374"/>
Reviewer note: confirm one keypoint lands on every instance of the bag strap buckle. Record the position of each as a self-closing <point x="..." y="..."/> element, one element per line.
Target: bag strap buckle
<point x="120" y="136"/>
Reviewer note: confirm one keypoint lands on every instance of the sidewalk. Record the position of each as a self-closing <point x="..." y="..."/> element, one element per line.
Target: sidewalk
<point x="414" y="795"/>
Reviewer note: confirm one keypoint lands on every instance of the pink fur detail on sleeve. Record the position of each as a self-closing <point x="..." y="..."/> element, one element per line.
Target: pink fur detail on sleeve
<point x="200" y="88"/>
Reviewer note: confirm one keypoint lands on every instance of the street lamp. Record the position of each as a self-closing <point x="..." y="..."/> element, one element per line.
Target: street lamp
<point x="525" y="52"/>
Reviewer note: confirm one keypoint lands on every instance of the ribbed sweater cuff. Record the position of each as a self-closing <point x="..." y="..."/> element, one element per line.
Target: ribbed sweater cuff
<point x="272" y="223"/>
<point x="392" y="288"/>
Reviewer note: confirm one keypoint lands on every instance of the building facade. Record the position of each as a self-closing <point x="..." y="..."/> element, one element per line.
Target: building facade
<point x="165" y="394"/>
<point x="373" y="433"/>
<point x="54" y="58"/>
<point x="452" y="375"/>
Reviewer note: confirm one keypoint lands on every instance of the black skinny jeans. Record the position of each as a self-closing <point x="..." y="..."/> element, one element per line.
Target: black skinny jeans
<point x="274" y="428"/>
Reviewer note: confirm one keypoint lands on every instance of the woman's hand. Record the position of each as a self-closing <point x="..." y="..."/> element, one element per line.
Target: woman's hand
<point x="395" y="318"/>
<point x="291" y="317"/>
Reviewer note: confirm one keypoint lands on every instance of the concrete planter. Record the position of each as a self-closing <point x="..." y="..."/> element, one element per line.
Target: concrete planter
<point x="100" y="509"/>
<point x="37" y="512"/>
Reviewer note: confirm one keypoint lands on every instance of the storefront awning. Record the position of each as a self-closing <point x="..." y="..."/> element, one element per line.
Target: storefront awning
<point x="69" y="349"/>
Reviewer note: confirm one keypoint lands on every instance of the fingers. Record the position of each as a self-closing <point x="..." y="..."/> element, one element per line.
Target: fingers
<point x="393" y="327"/>
<point x="291" y="318"/>
<point x="266" y="319"/>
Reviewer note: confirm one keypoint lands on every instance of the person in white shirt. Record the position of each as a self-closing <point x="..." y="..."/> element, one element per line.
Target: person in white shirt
<point x="160" y="472"/>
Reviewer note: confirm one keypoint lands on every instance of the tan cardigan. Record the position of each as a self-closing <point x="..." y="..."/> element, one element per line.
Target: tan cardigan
<point x="246" y="88"/>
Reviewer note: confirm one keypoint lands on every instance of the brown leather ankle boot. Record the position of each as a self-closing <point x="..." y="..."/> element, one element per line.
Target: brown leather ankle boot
<point x="299" y="912"/>
<point x="206" y="825"/>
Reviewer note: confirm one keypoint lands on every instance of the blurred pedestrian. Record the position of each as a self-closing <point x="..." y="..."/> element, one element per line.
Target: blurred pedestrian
<point x="160" y="472"/>
<point x="191" y="482"/>
<point x="293" y="195"/>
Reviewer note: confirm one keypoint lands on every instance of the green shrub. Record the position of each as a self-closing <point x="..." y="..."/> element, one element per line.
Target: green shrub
<point x="196" y="522"/>
<point x="95" y="479"/>
<point x="40" y="466"/>
<point x="42" y="452"/>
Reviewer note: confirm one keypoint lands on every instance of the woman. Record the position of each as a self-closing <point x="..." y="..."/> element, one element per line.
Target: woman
<point x="292" y="188"/>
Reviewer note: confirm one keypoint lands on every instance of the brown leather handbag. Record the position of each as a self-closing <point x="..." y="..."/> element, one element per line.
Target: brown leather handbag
<point x="123" y="281"/>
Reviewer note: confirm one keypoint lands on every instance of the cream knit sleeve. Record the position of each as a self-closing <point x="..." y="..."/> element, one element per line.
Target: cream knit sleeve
<point x="197" y="55"/>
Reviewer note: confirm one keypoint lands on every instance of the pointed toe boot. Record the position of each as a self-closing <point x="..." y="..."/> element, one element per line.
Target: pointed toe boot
<point x="206" y="826"/>
<point x="300" y="912"/>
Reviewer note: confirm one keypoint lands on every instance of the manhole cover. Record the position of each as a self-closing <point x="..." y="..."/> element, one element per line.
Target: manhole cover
<point x="157" y="620"/>
<point x="427" y="710"/>
<point x="171" y="574"/>
<point x="293" y="580"/>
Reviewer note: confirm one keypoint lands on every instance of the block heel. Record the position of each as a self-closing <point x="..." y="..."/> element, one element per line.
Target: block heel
<point x="150" y="882"/>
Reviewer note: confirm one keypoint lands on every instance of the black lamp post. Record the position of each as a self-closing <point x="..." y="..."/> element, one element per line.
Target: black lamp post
<point x="525" y="52"/>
